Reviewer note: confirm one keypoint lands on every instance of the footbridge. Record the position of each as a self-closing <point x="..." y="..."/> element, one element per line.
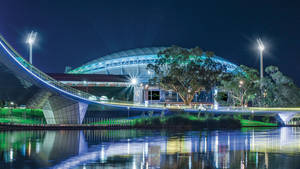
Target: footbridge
<point x="63" y="104"/>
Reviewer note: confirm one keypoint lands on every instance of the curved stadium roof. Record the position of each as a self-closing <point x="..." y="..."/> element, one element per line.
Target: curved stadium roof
<point x="133" y="57"/>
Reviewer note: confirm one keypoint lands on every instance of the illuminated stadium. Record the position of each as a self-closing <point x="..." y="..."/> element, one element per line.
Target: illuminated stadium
<point x="131" y="62"/>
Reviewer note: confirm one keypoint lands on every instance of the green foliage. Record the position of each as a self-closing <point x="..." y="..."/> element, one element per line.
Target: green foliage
<point x="266" y="119"/>
<point x="251" y="117"/>
<point x="189" y="121"/>
<point x="242" y="86"/>
<point x="237" y="116"/>
<point x="19" y="120"/>
<point x="222" y="98"/>
<point x="247" y="123"/>
<point x="186" y="71"/>
<point x="21" y="116"/>
<point x="279" y="90"/>
<point x="2" y="103"/>
<point x="36" y="113"/>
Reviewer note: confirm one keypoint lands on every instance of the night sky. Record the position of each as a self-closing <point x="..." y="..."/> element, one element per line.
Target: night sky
<point x="71" y="33"/>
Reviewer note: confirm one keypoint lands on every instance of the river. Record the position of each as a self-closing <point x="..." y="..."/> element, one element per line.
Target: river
<point x="271" y="148"/>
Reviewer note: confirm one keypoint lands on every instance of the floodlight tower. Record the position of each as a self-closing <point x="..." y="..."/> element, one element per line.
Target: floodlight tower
<point x="30" y="41"/>
<point x="261" y="48"/>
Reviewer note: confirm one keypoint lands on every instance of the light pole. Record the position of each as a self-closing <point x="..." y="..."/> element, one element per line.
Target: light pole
<point x="261" y="48"/>
<point x="241" y="83"/>
<point x="30" y="40"/>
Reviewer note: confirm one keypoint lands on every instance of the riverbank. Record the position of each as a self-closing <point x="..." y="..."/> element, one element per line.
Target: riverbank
<point x="203" y="122"/>
<point x="21" y="116"/>
<point x="8" y="126"/>
<point x="174" y="122"/>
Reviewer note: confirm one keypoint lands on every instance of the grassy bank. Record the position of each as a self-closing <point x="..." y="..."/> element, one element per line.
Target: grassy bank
<point x="35" y="116"/>
<point x="21" y="116"/>
<point x="250" y="123"/>
<point x="189" y="121"/>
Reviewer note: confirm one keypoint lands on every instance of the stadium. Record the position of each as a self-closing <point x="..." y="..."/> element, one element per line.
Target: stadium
<point x="133" y="64"/>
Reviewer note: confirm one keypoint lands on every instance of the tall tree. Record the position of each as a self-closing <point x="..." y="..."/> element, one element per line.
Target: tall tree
<point x="186" y="71"/>
<point x="242" y="85"/>
<point x="279" y="90"/>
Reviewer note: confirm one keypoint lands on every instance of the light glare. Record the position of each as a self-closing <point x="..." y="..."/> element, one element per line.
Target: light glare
<point x="31" y="38"/>
<point x="133" y="81"/>
<point x="261" y="46"/>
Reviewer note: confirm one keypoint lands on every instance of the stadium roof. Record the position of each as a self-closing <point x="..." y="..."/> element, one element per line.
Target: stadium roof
<point x="128" y="53"/>
<point x="140" y="55"/>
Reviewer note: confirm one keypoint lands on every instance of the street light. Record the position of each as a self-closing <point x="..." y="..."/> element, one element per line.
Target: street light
<point x="241" y="83"/>
<point x="133" y="81"/>
<point x="261" y="48"/>
<point x="30" y="40"/>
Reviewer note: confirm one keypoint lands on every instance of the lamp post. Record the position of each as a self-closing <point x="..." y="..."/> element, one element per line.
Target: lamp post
<point x="30" y="40"/>
<point x="241" y="83"/>
<point x="261" y="48"/>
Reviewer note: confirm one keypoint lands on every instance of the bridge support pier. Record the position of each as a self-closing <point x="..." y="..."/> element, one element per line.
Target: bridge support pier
<point x="285" y="117"/>
<point x="59" y="110"/>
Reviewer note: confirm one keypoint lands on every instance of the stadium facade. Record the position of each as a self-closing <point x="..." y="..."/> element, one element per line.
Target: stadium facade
<point x="133" y="63"/>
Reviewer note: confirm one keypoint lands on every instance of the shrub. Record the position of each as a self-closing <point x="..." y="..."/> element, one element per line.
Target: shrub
<point x="191" y="122"/>
<point x="266" y="119"/>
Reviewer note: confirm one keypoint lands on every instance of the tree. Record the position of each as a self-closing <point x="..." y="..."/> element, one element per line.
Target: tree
<point x="186" y="71"/>
<point x="242" y="85"/>
<point x="279" y="90"/>
<point x="2" y="103"/>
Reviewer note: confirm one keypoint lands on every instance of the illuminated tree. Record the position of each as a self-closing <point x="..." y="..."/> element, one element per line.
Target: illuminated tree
<point x="186" y="71"/>
<point x="279" y="90"/>
<point x="242" y="85"/>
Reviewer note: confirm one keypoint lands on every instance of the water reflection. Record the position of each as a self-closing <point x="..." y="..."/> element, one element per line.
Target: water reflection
<point x="252" y="148"/>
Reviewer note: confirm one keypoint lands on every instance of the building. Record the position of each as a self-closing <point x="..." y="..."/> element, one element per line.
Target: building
<point x="133" y="63"/>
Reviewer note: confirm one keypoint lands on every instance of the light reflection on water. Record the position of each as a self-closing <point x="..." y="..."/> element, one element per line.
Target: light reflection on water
<point x="247" y="148"/>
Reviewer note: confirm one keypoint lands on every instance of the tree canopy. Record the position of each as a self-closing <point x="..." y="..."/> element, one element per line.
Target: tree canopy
<point x="186" y="71"/>
<point x="242" y="85"/>
<point x="279" y="89"/>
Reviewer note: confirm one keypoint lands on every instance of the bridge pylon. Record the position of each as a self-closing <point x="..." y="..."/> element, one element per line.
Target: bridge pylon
<point x="285" y="117"/>
<point x="60" y="110"/>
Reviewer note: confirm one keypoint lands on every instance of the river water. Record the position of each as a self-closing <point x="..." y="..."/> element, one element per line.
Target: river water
<point x="271" y="148"/>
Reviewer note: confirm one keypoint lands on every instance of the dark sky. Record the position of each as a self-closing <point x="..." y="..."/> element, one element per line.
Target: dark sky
<point x="73" y="32"/>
